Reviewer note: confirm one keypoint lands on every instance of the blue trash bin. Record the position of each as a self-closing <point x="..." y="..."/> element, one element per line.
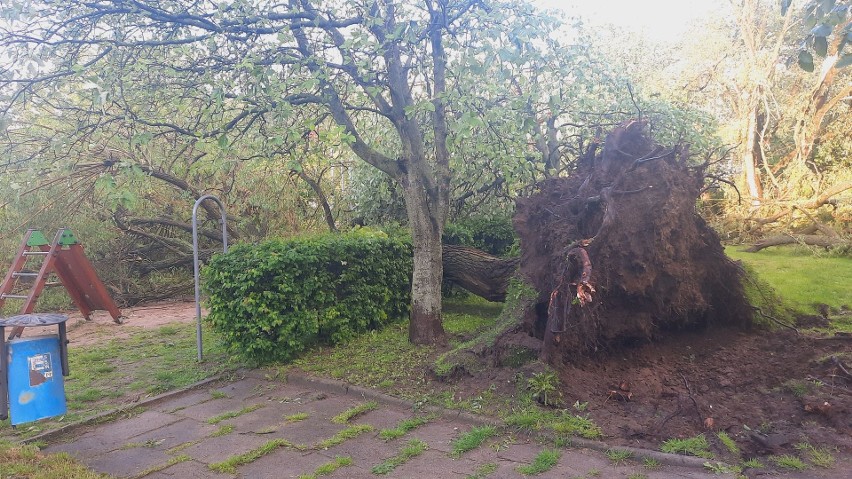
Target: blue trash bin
<point x="36" y="385"/>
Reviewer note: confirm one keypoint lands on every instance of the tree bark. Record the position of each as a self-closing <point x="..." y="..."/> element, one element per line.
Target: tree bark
<point x="478" y="272"/>
<point x="425" y="326"/>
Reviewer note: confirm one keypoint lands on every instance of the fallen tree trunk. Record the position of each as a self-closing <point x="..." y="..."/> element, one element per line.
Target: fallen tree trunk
<point x="478" y="272"/>
<point x="784" y="239"/>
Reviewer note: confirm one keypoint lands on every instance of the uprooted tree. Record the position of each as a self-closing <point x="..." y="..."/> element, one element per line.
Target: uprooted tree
<point x="618" y="253"/>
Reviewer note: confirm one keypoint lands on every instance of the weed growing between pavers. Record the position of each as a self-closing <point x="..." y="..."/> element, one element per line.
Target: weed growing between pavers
<point x="230" y="465"/>
<point x="483" y="471"/>
<point x="299" y="416"/>
<point x="412" y="449"/>
<point x="692" y="446"/>
<point x="27" y="461"/>
<point x="344" y="435"/>
<point x="354" y="412"/>
<point x="404" y="426"/>
<point x="543" y="462"/>
<point x="471" y="440"/>
<point x="329" y="467"/>
<point x="232" y="414"/>
<point x="171" y="462"/>
<point x="651" y="463"/>
<point x="223" y="430"/>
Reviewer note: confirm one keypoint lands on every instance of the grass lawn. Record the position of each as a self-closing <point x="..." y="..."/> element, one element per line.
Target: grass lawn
<point x="121" y="371"/>
<point x="803" y="280"/>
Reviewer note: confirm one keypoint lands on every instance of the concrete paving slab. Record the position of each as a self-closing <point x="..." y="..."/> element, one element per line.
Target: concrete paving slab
<point x="439" y="433"/>
<point x="217" y="449"/>
<point x="187" y="470"/>
<point x="366" y="449"/>
<point x="271" y="416"/>
<point x="308" y="432"/>
<point x="244" y="389"/>
<point x="283" y="463"/>
<point x="432" y="461"/>
<point x="384" y="418"/>
<point x="122" y="431"/>
<point x="128" y="462"/>
<point x="180" y="432"/>
<point x="183" y="401"/>
<point x="83" y="447"/>
<point x="209" y="409"/>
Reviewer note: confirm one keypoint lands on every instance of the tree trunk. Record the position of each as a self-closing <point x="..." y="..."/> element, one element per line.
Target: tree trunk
<point x="749" y="160"/>
<point x="425" y="326"/>
<point x="811" y="240"/>
<point x="479" y="272"/>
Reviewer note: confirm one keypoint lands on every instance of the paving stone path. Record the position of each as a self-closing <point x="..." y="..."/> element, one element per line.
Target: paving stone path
<point x="256" y="427"/>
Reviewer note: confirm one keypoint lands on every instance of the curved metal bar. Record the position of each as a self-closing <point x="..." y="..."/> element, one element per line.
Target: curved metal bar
<point x="195" y="259"/>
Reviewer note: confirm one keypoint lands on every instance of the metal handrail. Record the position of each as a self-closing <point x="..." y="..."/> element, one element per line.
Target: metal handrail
<point x="195" y="259"/>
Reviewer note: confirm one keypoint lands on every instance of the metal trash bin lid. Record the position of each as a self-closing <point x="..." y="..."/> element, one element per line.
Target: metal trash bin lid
<point x="35" y="319"/>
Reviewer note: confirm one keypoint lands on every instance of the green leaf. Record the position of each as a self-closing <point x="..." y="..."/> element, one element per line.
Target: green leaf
<point x="821" y="30"/>
<point x="821" y="46"/>
<point x="806" y="61"/>
<point x="844" y="61"/>
<point x="222" y="141"/>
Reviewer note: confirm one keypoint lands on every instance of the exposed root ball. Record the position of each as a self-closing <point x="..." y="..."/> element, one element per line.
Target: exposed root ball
<point x="619" y="254"/>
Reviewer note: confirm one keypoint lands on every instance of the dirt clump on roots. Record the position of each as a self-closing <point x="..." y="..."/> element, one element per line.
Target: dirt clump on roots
<point x="620" y="256"/>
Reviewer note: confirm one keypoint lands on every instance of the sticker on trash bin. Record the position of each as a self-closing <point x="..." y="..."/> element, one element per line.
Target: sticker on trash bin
<point x="40" y="369"/>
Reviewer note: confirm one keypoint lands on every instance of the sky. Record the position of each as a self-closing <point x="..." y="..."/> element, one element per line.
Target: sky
<point x="662" y="20"/>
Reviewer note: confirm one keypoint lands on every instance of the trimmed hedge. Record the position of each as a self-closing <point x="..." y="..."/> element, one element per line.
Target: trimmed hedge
<point x="273" y="300"/>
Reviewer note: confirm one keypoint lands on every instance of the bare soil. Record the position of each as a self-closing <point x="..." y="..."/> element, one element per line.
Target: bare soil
<point x="101" y="326"/>
<point x="768" y="391"/>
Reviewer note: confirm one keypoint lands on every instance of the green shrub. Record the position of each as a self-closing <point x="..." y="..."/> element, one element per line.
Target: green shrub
<point x="273" y="300"/>
<point x="493" y="235"/>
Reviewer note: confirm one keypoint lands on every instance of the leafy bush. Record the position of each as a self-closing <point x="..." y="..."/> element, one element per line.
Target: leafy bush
<point x="273" y="300"/>
<point x="493" y="235"/>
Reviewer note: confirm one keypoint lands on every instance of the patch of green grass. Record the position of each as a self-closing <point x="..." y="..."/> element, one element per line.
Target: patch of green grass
<point x="223" y="430"/>
<point x="692" y="446"/>
<point x="229" y="465"/>
<point x="299" y="416"/>
<point x="373" y="358"/>
<point x="531" y="419"/>
<point x="729" y="443"/>
<point x="543" y="462"/>
<point x="414" y="448"/>
<point x="800" y="278"/>
<point x="329" y="467"/>
<point x="343" y="436"/>
<point x="218" y="395"/>
<point x="354" y="412"/>
<point x="232" y="414"/>
<point x="820" y="457"/>
<point x="146" y="362"/>
<point x="618" y="456"/>
<point x="575" y="425"/>
<point x="651" y="463"/>
<point x="753" y="464"/>
<point x="789" y="462"/>
<point x="403" y="427"/>
<point x="798" y="388"/>
<point x="471" y="440"/>
<point x="637" y="475"/>
<point x="26" y="461"/>
<point x="483" y="471"/>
